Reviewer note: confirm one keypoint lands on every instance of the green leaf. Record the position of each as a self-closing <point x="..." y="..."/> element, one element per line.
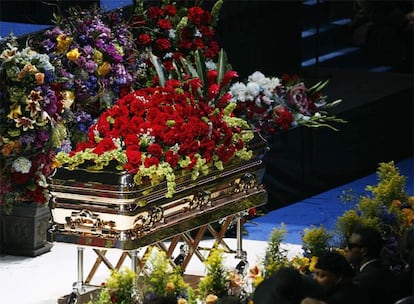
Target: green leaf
<point x="221" y="65"/>
<point x="189" y="67"/>
<point x="202" y="71"/>
<point x="319" y="86"/>
<point x="158" y="68"/>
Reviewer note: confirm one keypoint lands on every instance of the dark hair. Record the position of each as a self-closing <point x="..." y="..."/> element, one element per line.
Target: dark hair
<point x="336" y="263"/>
<point x="229" y="300"/>
<point x="160" y="300"/>
<point x="286" y="286"/>
<point x="371" y="239"/>
<point x="407" y="247"/>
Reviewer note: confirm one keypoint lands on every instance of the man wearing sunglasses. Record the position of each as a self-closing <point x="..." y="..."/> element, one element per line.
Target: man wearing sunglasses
<point x="373" y="277"/>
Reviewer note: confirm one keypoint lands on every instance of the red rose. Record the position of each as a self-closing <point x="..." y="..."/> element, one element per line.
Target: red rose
<point x="106" y="144"/>
<point x="155" y="150"/>
<point x="198" y="43"/>
<point x="134" y="155"/>
<point x="164" y="24"/>
<point x="20" y="178"/>
<point x="195" y="15"/>
<point x="154" y="12"/>
<point x="144" y="39"/>
<point x="171" y="158"/>
<point x="150" y="161"/>
<point x="170" y="10"/>
<point x="162" y="44"/>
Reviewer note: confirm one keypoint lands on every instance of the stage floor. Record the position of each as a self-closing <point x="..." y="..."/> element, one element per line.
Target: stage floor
<point x="46" y="278"/>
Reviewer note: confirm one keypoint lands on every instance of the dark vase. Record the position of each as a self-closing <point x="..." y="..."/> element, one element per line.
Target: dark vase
<point x="24" y="230"/>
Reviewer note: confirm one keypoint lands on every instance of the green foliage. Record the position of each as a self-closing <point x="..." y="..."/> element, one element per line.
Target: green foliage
<point x="276" y="257"/>
<point x="391" y="185"/>
<point x="119" y="288"/>
<point x="316" y="240"/>
<point x="162" y="279"/>
<point x="378" y="209"/>
<point x="215" y="281"/>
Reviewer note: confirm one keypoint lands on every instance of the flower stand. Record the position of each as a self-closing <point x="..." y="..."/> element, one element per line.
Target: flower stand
<point x="24" y="231"/>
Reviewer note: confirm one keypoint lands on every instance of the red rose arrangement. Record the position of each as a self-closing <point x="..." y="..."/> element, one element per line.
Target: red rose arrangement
<point x="155" y="133"/>
<point x="172" y="32"/>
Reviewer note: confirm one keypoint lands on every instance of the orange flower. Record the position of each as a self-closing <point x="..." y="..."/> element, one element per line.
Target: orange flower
<point x="40" y="78"/>
<point x="408" y="216"/>
<point x="7" y="149"/>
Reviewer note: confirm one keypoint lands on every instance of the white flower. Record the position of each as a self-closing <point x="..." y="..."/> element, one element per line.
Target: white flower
<point x="258" y="77"/>
<point x="171" y="34"/>
<point x="238" y="91"/>
<point x="253" y="89"/>
<point x="118" y="143"/>
<point x="41" y="181"/>
<point x="211" y="65"/>
<point x="22" y="165"/>
<point x="198" y="33"/>
<point x="168" y="55"/>
<point x="270" y="85"/>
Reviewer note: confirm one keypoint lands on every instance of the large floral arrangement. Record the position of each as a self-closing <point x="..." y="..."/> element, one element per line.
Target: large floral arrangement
<point x="273" y="104"/>
<point x="96" y="55"/>
<point x="31" y="124"/>
<point x="156" y="132"/>
<point x="172" y="31"/>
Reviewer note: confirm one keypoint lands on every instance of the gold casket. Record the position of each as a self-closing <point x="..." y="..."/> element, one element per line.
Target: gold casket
<point x="107" y="209"/>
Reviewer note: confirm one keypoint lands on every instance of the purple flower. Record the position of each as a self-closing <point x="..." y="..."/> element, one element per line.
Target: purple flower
<point x="90" y="66"/>
<point x="27" y="138"/>
<point x="113" y="53"/>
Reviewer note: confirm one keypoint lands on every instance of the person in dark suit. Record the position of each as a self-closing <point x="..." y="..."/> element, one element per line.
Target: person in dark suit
<point x="405" y="279"/>
<point x="373" y="277"/>
<point x="334" y="273"/>
<point x="286" y="286"/>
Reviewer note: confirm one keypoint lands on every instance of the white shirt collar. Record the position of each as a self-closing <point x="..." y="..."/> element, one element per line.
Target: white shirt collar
<point x="367" y="263"/>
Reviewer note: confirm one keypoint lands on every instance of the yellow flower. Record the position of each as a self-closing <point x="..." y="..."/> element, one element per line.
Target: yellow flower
<point x="63" y="43"/>
<point x="8" y="54"/>
<point x="68" y="98"/>
<point x="313" y="262"/>
<point x="170" y="287"/>
<point x="257" y="280"/>
<point x="104" y="69"/>
<point x="181" y="301"/>
<point x="97" y="56"/>
<point x="73" y="55"/>
<point x="211" y="299"/>
<point x="15" y="111"/>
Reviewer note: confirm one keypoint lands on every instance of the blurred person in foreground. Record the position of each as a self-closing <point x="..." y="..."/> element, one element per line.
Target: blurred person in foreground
<point x="334" y="273"/>
<point x="286" y="286"/>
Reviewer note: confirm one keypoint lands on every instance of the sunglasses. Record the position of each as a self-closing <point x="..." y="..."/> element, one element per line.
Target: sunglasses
<point x="354" y="245"/>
